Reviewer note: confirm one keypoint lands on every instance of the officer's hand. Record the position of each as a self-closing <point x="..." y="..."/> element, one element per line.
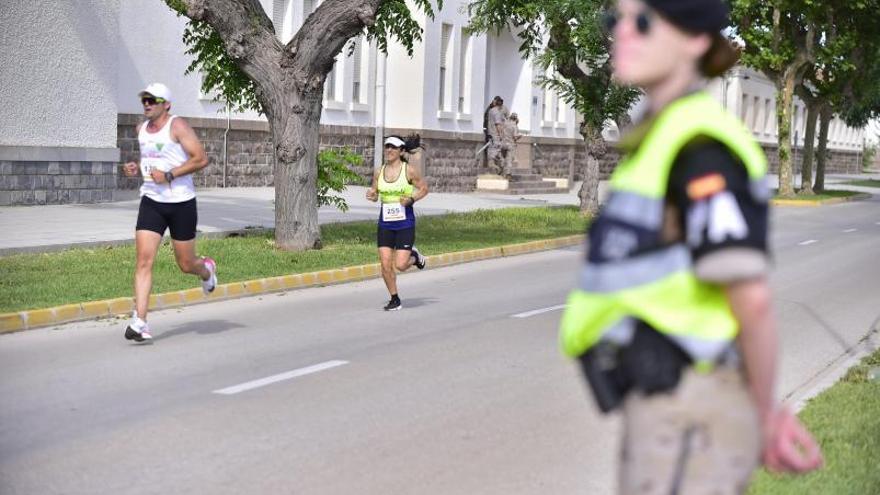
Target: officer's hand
<point x="788" y="446"/>
<point x="130" y="169"/>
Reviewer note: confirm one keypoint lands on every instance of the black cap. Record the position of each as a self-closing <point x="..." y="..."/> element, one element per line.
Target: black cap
<point x="699" y="16"/>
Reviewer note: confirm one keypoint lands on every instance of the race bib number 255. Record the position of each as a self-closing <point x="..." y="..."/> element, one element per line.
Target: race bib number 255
<point x="393" y="212"/>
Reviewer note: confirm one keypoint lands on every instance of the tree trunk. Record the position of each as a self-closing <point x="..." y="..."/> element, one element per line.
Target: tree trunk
<point x="596" y="149"/>
<point x="785" y="91"/>
<point x="825" y="115"/>
<point x="809" y="146"/>
<point x="290" y="84"/>
<point x="295" y="141"/>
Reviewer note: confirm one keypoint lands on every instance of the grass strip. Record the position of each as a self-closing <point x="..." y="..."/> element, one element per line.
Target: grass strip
<point x="864" y="183"/>
<point x="845" y="420"/>
<point x="824" y="195"/>
<point x="30" y="281"/>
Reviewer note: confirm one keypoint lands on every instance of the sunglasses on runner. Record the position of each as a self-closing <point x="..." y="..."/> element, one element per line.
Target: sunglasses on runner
<point x="642" y="20"/>
<point x="151" y="100"/>
<point x="391" y="147"/>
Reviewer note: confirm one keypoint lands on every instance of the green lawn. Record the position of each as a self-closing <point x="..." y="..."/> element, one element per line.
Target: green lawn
<point x="30" y="281"/>
<point x="845" y="420"/>
<point x="864" y="183"/>
<point x="827" y="194"/>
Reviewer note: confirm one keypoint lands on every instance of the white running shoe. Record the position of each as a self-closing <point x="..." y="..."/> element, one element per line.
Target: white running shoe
<point x="138" y="331"/>
<point x="421" y="261"/>
<point x="209" y="285"/>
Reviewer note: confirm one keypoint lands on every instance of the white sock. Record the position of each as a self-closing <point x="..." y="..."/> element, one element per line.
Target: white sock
<point x="137" y="323"/>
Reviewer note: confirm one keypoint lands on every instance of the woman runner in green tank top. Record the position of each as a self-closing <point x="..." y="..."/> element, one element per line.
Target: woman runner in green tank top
<point x="397" y="186"/>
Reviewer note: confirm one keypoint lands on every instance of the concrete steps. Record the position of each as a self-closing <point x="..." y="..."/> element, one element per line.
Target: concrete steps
<point x="520" y="182"/>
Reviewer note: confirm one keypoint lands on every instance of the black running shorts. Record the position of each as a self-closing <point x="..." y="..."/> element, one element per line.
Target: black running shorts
<point x="179" y="218"/>
<point x="396" y="239"/>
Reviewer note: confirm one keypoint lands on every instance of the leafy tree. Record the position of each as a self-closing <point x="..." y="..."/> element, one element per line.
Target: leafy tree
<point x="843" y="78"/>
<point x="236" y="48"/>
<point x="566" y="36"/>
<point x="781" y="40"/>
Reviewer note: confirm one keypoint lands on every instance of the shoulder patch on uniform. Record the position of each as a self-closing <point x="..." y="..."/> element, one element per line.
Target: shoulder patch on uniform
<point x="705" y="186"/>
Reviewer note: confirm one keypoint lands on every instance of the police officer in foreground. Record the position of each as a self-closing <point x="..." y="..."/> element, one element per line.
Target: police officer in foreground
<point x="672" y="320"/>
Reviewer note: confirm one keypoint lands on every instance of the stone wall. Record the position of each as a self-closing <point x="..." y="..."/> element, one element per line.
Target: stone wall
<point x="449" y="161"/>
<point x="249" y="146"/>
<point x="837" y="162"/>
<point x="40" y="176"/>
<point x="560" y="160"/>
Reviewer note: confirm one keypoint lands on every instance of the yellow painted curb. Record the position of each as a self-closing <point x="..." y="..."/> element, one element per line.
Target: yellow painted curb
<point x="94" y="309"/>
<point x="122" y="305"/>
<point x="68" y="312"/>
<point x="193" y="295"/>
<point x="291" y="281"/>
<point x="272" y="284"/>
<point x="11" y="322"/>
<point x="26" y="320"/>
<point x="821" y="202"/>
<point x="372" y="270"/>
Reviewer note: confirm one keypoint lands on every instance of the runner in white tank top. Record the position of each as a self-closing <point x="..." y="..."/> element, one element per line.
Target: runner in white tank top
<point x="160" y="152"/>
<point x="170" y="154"/>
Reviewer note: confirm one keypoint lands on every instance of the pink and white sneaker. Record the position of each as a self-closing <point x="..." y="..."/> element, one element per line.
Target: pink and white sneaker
<point x="209" y="285"/>
<point x="138" y="331"/>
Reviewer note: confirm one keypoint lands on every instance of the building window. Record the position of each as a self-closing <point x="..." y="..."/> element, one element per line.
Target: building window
<point x="768" y="111"/>
<point x="445" y="96"/>
<point x="560" y="110"/>
<point x="359" y="61"/>
<point x="756" y="104"/>
<point x="464" y="77"/>
<point x="333" y="83"/>
<point x="548" y="108"/>
<point x="279" y="19"/>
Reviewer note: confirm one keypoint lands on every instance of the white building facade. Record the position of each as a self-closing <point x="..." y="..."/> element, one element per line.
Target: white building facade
<point x="72" y="103"/>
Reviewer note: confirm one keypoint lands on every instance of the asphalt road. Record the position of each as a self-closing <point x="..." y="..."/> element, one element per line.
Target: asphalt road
<point x="321" y="392"/>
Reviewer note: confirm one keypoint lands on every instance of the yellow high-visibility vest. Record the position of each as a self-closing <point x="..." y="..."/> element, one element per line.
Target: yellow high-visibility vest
<point x="658" y="286"/>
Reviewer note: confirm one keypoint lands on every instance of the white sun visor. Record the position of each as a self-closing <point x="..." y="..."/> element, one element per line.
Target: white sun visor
<point x="395" y="141"/>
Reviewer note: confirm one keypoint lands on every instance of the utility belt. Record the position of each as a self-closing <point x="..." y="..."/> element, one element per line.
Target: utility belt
<point x="650" y="363"/>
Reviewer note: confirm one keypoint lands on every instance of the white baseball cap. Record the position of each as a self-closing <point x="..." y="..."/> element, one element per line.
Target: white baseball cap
<point x="158" y="90"/>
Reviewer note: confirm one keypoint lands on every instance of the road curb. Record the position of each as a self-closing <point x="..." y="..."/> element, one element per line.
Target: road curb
<point x="68" y="313"/>
<point x="822" y="202"/>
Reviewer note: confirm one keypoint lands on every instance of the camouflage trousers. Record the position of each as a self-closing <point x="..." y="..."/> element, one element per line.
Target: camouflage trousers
<point x="702" y="438"/>
<point x="500" y="158"/>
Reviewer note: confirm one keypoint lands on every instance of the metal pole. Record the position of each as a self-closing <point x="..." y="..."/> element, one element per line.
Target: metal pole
<point x="225" y="144"/>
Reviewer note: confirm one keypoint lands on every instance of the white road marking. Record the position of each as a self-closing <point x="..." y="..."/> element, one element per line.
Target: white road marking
<point x="847" y="231"/>
<point x="807" y="243"/>
<point x="262" y="382"/>
<point x="538" y="311"/>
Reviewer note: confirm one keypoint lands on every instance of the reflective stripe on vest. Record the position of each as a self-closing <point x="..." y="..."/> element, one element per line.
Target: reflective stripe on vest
<point x="658" y="286"/>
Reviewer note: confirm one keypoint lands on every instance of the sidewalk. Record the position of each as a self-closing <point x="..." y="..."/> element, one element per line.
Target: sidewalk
<point x="55" y="227"/>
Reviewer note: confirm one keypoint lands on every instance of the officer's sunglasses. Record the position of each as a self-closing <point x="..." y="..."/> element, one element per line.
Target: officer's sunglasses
<point x="643" y="21"/>
<point x="151" y="100"/>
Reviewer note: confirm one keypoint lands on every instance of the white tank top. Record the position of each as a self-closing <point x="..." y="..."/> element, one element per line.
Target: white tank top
<point x="160" y="152"/>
